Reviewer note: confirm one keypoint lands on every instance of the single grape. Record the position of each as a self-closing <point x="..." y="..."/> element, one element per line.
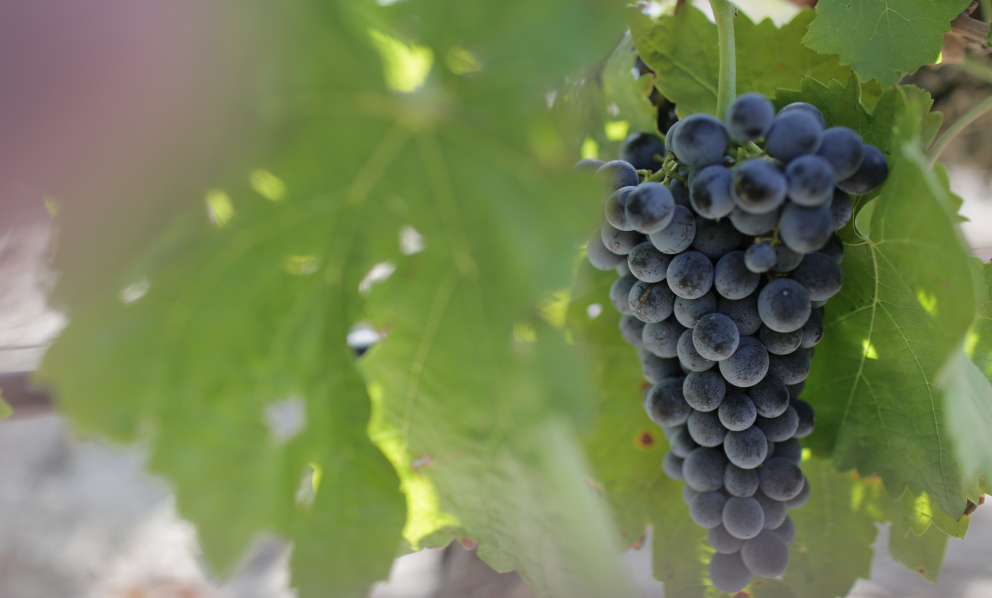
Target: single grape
<point x="688" y="493"/>
<point x="812" y="330"/>
<point x="715" y="337"/>
<point x="654" y="368"/>
<point x="704" y="391"/>
<point x="758" y="187"/>
<point x="701" y="140"/>
<point x="791" y="369"/>
<point x="618" y="241"/>
<point x="807" y="108"/>
<point x="715" y="238"/>
<point x="796" y="389"/>
<point x="681" y="442"/>
<point x="748" y="365"/>
<point x="689" y="357"/>
<point x="774" y="510"/>
<point x="662" y="338"/>
<point x="787" y="531"/>
<point x="664" y="403"/>
<point x="840" y="209"/>
<point x="790" y="449"/>
<point x="618" y="174"/>
<point x="759" y="258"/>
<point x="650" y="207"/>
<point x="821" y="276"/>
<point x="651" y="302"/>
<point x="744" y="313"/>
<point x="705" y="428"/>
<point x="743" y="517"/>
<point x="616" y="205"/>
<point x="780" y="343"/>
<point x="869" y="176"/>
<point x="753" y="224"/>
<point x="732" y="278"/>
<point x="600" y="257"/>
<point x="806" y="229"/>
<point x="766" y="555"/>
<point x="631" y="329"/>
<point x="647" y="263"/>
<point x="703" y="469"/>
<point x="721" y="540"/>
<point x="834" y="249"/>
<point x="750" y="116"/>
<point x="672" y="466"/>
<point x="740" y="482"/>
<point x="746" y="449"/>
<point x="680" y="193"/>
<point x="690" y="275"/>
<point x="620" y="293"/>
<point x="688" y="311"/>
<point x="706" y="510"/>
<point x="710" y="192"/>
<point x="640" y="149"/>
<point x="801" y="498"/>
<point x="728" y="572"/>
<point x="784" y="305"/>
<point x="678" y="235"/>
<point x="622" y="269"/>
<point x="778" y="429"/>
<point x="807" y="418"/>
<point x="737" y="412"/>
<point x="781" y="479"/>
<point x="792" y="134"/>
<point x="786" y="259"/>
<point x="811" y="180"/>
<point x="770" y="397"/>
<point x="843" y="149"/>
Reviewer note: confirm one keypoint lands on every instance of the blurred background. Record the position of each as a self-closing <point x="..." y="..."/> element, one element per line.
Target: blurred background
<point x="126" y="88"/>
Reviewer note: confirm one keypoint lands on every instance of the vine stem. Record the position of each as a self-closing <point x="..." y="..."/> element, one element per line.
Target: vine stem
<point x="723" y="13"/>
<point x="941" y="144"/>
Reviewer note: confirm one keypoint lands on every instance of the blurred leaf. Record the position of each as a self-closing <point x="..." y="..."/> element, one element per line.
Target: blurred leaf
<point x="629" y="90"/>
<point x="968" y="402"/>
<point x="768" y="58"/>
<point x="5" y="409"/>
<point x="899" y="316"/>
<point x="922" y="554"/>
<point x="226" y="324"/>
<point x="883" y="40"/>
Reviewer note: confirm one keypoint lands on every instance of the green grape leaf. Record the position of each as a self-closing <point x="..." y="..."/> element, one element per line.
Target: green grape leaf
<point x="629" y="94"/>
<point x="440" y="216"/>
<point x="626" y="447"/>
<point x="844" y="105"/>
<point x="922" y="554"/>
<point x="888" y="332"/>
<point x="768" y="58"/>
<point x="835" y="531"/>
<point x="5" y="409"/>
<point x="882" y="40"/>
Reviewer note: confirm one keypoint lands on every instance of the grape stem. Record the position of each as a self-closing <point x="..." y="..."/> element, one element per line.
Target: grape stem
<point x="723" y="13"/>
<point x="945" y="139"/>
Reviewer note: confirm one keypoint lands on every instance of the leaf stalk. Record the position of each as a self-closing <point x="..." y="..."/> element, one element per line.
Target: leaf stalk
<point x="723" y="13"/>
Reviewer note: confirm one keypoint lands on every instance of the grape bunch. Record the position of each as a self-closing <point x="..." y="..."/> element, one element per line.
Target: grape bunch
<point x="727" y="253"/>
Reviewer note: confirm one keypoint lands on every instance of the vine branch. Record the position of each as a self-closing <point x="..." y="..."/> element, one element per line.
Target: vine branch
<point x="723" y="14"/>
<point x="941" y="144"/>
